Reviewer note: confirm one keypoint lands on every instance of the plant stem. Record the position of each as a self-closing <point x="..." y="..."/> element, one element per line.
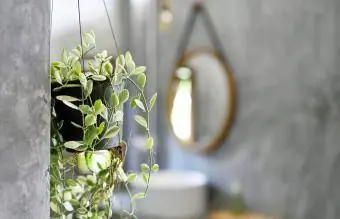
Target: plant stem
<point x="130" y="196"/>
<point x="85" y="53"/>
<point x="148" y="132"/>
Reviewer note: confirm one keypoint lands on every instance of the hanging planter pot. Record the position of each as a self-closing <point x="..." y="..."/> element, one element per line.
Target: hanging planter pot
<point x="93" y="162"/>
<point x="71" y="117"/>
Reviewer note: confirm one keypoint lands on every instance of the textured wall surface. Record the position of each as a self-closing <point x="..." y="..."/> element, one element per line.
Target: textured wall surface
<point x="24" y="109"/>
<point x="284" y="145"/>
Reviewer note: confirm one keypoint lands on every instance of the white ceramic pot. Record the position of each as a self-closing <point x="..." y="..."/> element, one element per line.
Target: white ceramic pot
<point x="173" y="195"/>
<point x="90" y="162"/>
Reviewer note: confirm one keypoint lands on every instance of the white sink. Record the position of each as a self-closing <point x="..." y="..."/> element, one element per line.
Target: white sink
<point x="173" y="195"/>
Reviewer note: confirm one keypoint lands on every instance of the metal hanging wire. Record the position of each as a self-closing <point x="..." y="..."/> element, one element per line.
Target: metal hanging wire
<point x="81" y="35"/>
<point x="81" y="30"/>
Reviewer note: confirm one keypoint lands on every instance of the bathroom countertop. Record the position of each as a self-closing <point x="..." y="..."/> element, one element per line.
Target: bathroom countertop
<point x="229" y="215"/>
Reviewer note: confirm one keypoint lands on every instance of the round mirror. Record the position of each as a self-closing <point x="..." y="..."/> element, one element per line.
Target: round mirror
<point x="201" y="100"/>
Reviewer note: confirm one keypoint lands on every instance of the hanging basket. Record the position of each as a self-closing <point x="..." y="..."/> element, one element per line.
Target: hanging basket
<point x="70" y="117"/>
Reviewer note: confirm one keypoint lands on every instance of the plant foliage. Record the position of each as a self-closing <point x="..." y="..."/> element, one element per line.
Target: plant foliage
<point x="84" y="196"/>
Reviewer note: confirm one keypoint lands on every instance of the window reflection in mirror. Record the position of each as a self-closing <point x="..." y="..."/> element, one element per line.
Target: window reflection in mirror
<point x="182" y="106"/>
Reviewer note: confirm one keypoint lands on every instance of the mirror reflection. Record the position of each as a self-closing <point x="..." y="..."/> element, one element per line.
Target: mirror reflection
<point x="182" y="109"/>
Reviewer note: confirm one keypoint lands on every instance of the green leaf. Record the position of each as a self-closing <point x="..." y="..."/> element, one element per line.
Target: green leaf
<point x="67" y="98"/>
<point x="153" y="100"/>
<point x="83" y="80"/>
<point x="89" y="88"/>
<point x="155" y="168"/>
<point x="77" y="51"/>
<point x="117" y="78"/>
<point x="120" y="61"/>
<point x="89" y="39"/>
<point x="85" y="109"/>
<point x="108" y="67"/>
<point x="144" y="167"/>
<point x="67" y="194"/>
<point x="139" y="195"/>
<point x="132" y="102"/>
<point x="103" y="54"/>
<point x="66" y="86"/>
<point x="98" y="77"/>
<point x="98" y="106"/>
<point x="74" y="202"/>
<point x="131" y="177"/>
<point x="73" y="144"/>
<point x="145" y="177"/>
<point x="68" y="206"/>
<point x="101" y="214"/>
<point x="128" y="57"/>
<point x="82" y="211"/>
<point x="57" y="76"/>
<point x="72" y="59"/>
<point x="54" y="207"/>
<point x="111" y="132"/>
<point x="77" y="67"/>
<point x="131" y="67"/>
<point x="76" y="125"/>
<point x="92" y="69"/>
<point x="149" y="143"/>
<point x="90" y="120"/>
<point x="141" y="121"/>
<point x="114" y="99"/>
<point x="71" y="105"/>
<point x="141" y="80"/>
<point x="129" y="62"/>
<point x="100" y="128"/>
<point x="139" y="104"/>
<point x="93" y="34"/>
<point x="104" y="113"/>
<point x="81" y="148"/>
<point x="138" y="70"/>
<point x="71" y="182"/>
<point x="123" y="96"/>
<point x="58" y="64"/>
<point x="90" y="135"/>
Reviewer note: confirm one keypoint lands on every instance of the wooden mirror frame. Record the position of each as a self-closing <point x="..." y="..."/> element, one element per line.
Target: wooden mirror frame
<point x="230" y="83"/>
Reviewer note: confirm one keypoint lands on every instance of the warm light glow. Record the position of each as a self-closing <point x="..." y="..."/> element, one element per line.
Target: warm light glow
<point x="166" y="16"/>
<point x="181" y="114"/>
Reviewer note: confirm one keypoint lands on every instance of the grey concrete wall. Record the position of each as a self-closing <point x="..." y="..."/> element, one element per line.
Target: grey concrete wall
<point x="284" y="145"/>
<point x="24" y="109"/>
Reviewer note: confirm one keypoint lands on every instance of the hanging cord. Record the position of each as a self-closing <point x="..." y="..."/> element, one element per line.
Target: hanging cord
<point x="189" y="26"/>
<point x="111" y="28"/>
<point x="212" y="33"/>
<point x="117" y="48"/>
<point x="81" y="36"/>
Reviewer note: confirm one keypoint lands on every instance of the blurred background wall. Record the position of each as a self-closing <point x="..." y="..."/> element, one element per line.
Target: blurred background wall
<point x="284" y="145"/>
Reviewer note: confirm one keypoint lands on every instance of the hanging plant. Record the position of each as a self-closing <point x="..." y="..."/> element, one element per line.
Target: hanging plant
<point x="87" y="150"/>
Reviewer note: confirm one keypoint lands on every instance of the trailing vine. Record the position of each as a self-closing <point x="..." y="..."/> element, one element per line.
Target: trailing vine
<point x="86" y="171"/>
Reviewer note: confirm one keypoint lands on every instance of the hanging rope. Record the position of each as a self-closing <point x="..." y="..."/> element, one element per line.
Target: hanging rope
<point x="111" y="28"/>
<point x="196" y="10"/>
<point x="81" y="36"/>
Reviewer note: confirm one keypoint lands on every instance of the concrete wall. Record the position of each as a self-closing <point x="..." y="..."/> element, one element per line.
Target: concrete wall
<point x="284" y="145"/>
<point x="24" y="109"/>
